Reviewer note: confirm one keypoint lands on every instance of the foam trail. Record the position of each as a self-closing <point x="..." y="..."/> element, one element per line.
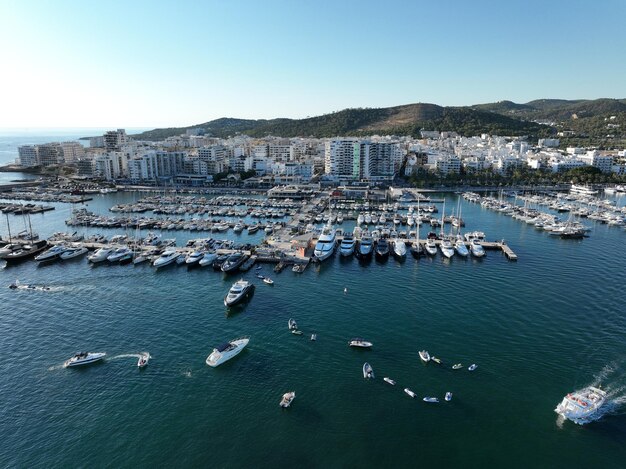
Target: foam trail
<point x="56" y="367"/>
<point x="130" y="355"/>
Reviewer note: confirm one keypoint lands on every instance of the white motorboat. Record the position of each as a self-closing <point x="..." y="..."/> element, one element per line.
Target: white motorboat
<point x="582" y="406"/>
<point x="366" y="247"/>
<point x="9" y="248"/>
<point x="50" y="254"/>
<point x="84" y="358"/>
<point x="233" y="262"/>
<point x="240" y="290"/>
<point x="477" y="248"/>
<point x="268" y="280"/>
<point x="227" y="351"/>
<point x="72" y="253"/>
<point x="313" y="337"/>
<point x="409" y="392"/>
<point x="360" y="343"/>
<point x="424" y="355"/>
<point x="448" y="397"/>
<point x="194" y="258"/>
<point x="447" y="249"/>
<point x="119" y="254"/>
<point x="326" y="243"/>
<point x="399" y="249"/>
<point x="472" y="367"/>
<point x="238" y="227"/>
<point x="435" y="359"/>
<point x="430" y="246"/>
<point x="292" y="324"/>
<point x="348" y="243"/>
<point x="457" y="366"/>
<point x="207" y="259"/>
<point x="461" y="248"/>
<point x="287" y="399"/>
<point x="143" y="360"/>
<point x="296" y="332"/>
<point x="166" y="258"/>
<point x="430" y="399"/>
<point x="368" y="371"/>
<point x="389" y="380"/>
<point x="100" y="255"/>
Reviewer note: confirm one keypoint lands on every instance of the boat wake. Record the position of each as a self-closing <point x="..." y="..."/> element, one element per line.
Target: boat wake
<point x="56" y="367"/>
<point x="131" y="355"/>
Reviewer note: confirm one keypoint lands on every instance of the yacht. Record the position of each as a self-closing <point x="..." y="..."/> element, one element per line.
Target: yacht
<point x="326" y="243"/>
<point x="119" y="254"/>
<point x="416" y="250"/>
<point x="461" y="248"/>
<point x="424" y="355"/>
<point x="166" y="258"/>
<point x="446" y="248"/>
<point x="53" y="253"/>
<point x="71" y="253"/>
<point x="8" y="249"/>
<point x="240" y="290"/>
<point x="100" y="255"/>
<point x="238" y="227"/>
<point x="582" y="406"/>
<point x="430" y="247"/>
<point x="227" y="351"/>
<point x="346" y="248"/>
<point x="365" y="248"/>
<point x="253" y="229"/>
<point x="360" y="219"/>
<point x="399" y="249"/>
<point x="233" y="262"/>
<point x="194" y="258"/>
<point x="84" y="358"/>
<point x="358" y="342"/>
<point x="583" y="190"/>
<point x="287" y="399"/>
<point x="476" y="248"/>
<point x="26" y="251"/>
<point x="368" y="371"/>
<point x="382" y="249"/>
<point x="207" y="259"/>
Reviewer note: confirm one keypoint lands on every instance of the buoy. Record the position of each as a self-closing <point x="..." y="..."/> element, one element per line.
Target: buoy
<point x="345" y="290"/>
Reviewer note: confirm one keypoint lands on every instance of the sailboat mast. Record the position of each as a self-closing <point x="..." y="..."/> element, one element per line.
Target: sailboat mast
<point x="9" y="227"/>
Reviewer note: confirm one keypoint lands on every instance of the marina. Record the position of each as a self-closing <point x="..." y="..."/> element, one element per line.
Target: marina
<point x="450" y="303"/>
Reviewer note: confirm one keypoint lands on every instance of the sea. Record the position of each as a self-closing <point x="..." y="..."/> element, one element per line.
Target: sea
<point x="539" y="328"/>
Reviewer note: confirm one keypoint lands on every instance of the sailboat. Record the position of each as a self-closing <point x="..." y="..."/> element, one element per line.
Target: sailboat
<point x="447" y="249"/>
<point x="459" y="244"/>
<point x="416" y="248"/>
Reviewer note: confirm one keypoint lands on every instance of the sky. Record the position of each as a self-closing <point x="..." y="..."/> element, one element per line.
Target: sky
<point x="144" y="64"/>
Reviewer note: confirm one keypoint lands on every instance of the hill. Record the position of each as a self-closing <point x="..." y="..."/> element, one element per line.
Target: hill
<point x="399" y="120"/>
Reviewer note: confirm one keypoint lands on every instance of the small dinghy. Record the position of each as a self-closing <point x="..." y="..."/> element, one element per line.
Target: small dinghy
<point x="390" y="381"/>
<point x="409" y="392"/>
<point x="313" y="337"/>
<point x="287" y="399"/>
<point x="430" y="399"/>
<point x="448" y="397"/>
<point x="361" y="343"/>
<point x="260" y="276"/>
<point x="472" y="367"/>
<point x="143" y="360"/>
<point x="424" y="356"/>
<point x="268" y="280"/>
<point x="368" y="371"/>
<point x="293" y="325"/>
<point x="258" y="267"/>
<point x="436" y="360"/>
<point x="296" y="332"/>
<point x="458" y="366"/>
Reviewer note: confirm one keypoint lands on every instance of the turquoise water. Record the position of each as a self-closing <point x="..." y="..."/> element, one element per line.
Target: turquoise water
<point x="538" y="328"/>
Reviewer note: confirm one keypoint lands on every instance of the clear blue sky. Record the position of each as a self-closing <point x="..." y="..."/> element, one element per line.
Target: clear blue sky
<point x="155" y="63"/>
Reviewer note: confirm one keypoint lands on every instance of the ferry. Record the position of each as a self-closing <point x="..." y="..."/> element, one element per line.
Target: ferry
<point x="582" y="406"/>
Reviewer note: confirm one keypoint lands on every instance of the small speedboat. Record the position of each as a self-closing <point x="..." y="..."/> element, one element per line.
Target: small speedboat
<point x="368" y="371"/>
<point x="472" y="367"/>
<point x="448" y="396"/>
<point x="226" y="351"/>
<point x="292" y="324"/>
<point x="361" y="343"/>
<point x="287" y="399"/>
<point x="84" y="358"/>
<point x="390" y="381"/>
<point x="268" y="280"/>
<point x="314" y="337"/>
<point x="296" y="332"/>
<point x="430" y="399"/>
<point x="409" y="392"/>
<point x="436" y="360"/>
<point x="458" y="366"/>
<point x="143" y="360"/>
<point x="424" y="356"/>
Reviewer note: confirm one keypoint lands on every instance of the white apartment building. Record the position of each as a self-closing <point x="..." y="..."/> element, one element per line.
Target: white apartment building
<point x="28" y="155"/>
<point x="72" y="151"/>
<point x="143" y="168"/>
<point x="342" y="157"/>
<point x="106" y="167"/>
<point x="279" y="152"/>
<point x="50" y="153"/>
<point x="593" y="158"/>
<point x="557" y="164"/>
<point x="448" y="164"/>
